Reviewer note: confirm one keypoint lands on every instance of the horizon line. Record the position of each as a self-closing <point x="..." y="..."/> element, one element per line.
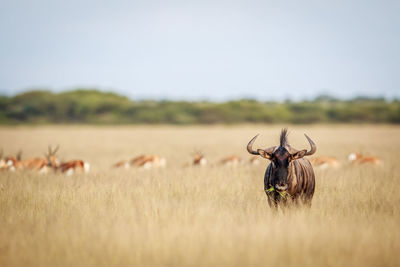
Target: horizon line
<point x="199" y="98"/>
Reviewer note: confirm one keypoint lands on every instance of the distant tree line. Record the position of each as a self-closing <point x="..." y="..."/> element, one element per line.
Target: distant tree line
<point x="95" y="107"/>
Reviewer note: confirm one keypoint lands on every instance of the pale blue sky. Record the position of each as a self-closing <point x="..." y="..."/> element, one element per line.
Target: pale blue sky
<point x="202" y="49"/>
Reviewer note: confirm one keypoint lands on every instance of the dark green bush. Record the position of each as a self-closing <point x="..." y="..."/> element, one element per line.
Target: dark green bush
<point x="92" y="106"/>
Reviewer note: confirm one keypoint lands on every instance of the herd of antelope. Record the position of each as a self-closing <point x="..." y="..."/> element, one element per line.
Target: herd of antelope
<point x="50" y="162"/>
<point x="322" y="162"/>
<point x="43" y="164"/>
<point x="354" y="158"/>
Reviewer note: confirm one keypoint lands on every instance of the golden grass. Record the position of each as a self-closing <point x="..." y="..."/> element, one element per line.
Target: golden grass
<point x="211" y="216"/>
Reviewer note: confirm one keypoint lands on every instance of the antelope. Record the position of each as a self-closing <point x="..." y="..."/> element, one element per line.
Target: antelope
<point x="289" y="177"/>
<point x="324" y="162"/>
<point x="137" y="160"/>
<point x="70" y="167"/>
<point x="357" y="158"/>
<point x="122" y="164"/>
<point x="14" y="163"/>
<point x="148" y="161"/>
<point x="199" y="159"/>
<point x="41" y="164"/>
<point x="232" y="160"/>
<point x="254" y="161"/>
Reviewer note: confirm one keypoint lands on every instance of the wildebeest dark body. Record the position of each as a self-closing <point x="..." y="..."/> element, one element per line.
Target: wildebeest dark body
<point x="289" y="178"/>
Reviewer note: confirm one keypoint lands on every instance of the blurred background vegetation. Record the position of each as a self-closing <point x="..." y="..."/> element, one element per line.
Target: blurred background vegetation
<point x="95" y="107"/>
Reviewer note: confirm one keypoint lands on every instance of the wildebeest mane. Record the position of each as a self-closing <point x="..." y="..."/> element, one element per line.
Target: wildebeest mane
<point x="283" y="138"/>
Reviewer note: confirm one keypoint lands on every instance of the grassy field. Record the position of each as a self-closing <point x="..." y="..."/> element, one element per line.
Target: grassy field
<point x="210" y="216"/>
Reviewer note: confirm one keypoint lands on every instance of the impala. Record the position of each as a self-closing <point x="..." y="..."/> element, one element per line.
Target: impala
<point x="324" y="162"/>
<point x="199" y="159"/>
<point x="122" y="164"/>
<point x="70" y="167"/>
<point x="357" y="158"/>
<point x="254" y="161"/>
<point x="40" y="164"/>
<point x="232" y="160"/>
<point x="14" y="162"/>
<point x="148" y="161"/>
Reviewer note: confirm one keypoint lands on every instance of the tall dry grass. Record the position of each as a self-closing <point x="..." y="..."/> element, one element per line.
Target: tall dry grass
<point x="212" y="216"/>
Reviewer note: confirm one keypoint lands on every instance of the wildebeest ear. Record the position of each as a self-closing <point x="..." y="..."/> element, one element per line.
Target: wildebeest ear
<point x="264" y="154"/>
<point x="298" y="154"/>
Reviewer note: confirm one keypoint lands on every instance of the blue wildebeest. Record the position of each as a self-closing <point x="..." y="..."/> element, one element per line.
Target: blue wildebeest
<point x="289" y="177"/>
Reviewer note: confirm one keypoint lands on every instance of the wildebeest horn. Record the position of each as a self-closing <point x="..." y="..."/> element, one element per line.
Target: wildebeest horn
<point x="250" y="146"/>
<point x="255" y="152"/>
<point x="312" y="145"/>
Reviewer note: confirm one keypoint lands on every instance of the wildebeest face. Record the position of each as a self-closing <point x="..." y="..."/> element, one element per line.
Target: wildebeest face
<point x="280" y="164"/>
<point x="280" y="159"/>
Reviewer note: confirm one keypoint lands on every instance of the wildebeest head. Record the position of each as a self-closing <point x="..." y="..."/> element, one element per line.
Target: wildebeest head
<point x="281" y="156"/>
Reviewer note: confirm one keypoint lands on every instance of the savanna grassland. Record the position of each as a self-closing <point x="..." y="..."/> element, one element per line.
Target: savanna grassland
<point x="197" y="216"/>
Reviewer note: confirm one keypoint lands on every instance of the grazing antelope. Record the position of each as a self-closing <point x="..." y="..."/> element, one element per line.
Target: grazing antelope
<point x="254" y="161"/>
<point x="70" y="167"/>
<point x="199" y="159"/>
<point x="289" y="177"/>
<point x="122" y="164"/>
<point x="324" y="162"/>
<point x="357" y="158"/>
<point x="137" y="160"/>
<point x="232" y="160"/>
<point x="13" y="163"/>
<point x="148" y="161"/>
<point x="41" y="164"/>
